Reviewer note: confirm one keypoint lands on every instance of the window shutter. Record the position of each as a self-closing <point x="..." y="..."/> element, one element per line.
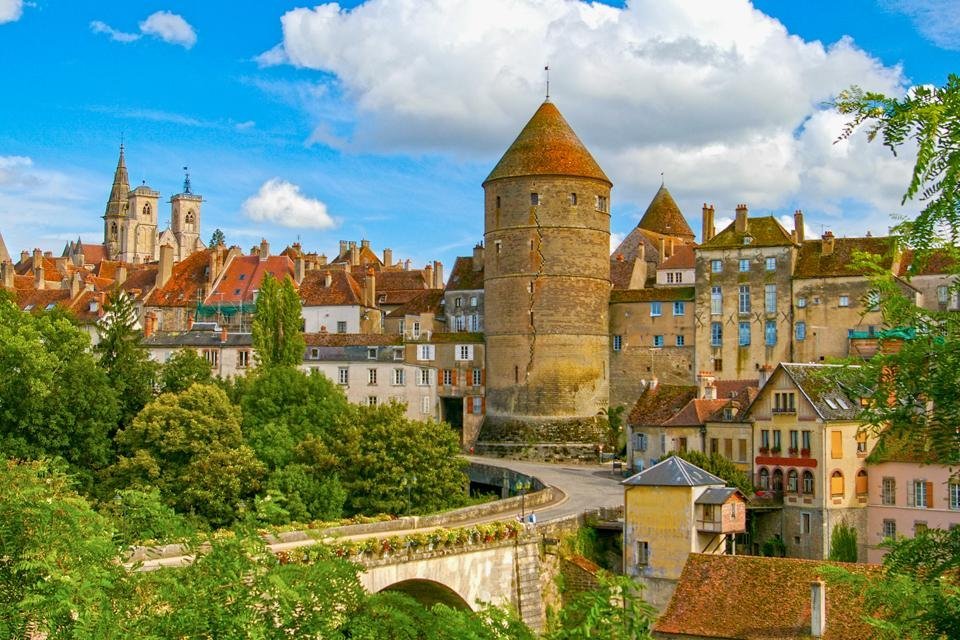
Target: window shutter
<point x="911" y="494"/>
<point x="440" y="377"/>
<point x="467" y="402"/>
<point x="483" y="405"/>
<point x="454" y="377"/>
<point x="929" y="488"/>
<point x="836" y="444"/>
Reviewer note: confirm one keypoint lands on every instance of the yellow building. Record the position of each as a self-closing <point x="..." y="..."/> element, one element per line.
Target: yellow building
<point x="671" y="510"/>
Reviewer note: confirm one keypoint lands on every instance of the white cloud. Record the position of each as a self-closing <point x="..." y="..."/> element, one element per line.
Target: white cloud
<point x="166" y="26"/>
<point x="98" y="26"/>
<point x="615" y="240"/>
<point x="10" y="10"/>
<point x="281" y="202"/>
<point x="246" y="125"/>
<point x="169" y="27"/>
<point x="717" y="95"/>
<point x="937" y="20"/>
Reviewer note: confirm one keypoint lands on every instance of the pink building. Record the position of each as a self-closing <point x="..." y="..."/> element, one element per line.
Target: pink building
<point x="906" y="497"/>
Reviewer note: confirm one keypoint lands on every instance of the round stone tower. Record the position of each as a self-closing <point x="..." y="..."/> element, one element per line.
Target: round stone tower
<point x="546" y="285"/>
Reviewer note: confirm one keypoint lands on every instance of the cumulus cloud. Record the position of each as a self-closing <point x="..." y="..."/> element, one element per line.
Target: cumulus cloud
<point x="169" y="27"/>
<point x="937" y="20"/>
<point x="10" y="10"/>
<point x="719" y="96"/>
<point x="166" y="26"/>
<point x="281" y="202"/>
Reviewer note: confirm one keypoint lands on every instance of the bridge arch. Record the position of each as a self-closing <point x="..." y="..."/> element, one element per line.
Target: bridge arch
<point x="429" y="593"/>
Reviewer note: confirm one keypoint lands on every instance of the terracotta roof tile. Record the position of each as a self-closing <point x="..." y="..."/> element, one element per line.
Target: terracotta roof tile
<point x="187" y="279"/>
<point x="547" y="146"/>
<point x="811" y="263"/>
<point x="243" y="275"/>
<point x="625" y="255"/>
<point x="464" y="277"/>
<point x="140" y="282"/>
<point x="683" y="258"/>
<point x="663" y="216"/>
<point x="656" y="406"/>
<point x="765" y="231"/>
<point x="696" y="412"/>
<point x="344" y="290"/>
<point x="426" y="302"/>
<point x="720" y="596"/>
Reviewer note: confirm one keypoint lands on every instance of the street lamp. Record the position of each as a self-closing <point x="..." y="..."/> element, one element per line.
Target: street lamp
<point x="521" y="487"/>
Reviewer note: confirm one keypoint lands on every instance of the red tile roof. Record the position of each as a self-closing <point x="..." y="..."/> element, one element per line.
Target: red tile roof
<point x="140" y="282"/>
<point x="343" y="289"/>
<point x="547" y="146"/>
<point x="656" y="406"/>
<point x="367" y="257"/>
<point x="186" y="282"/>
<point x="243" y="275"/>
<point x="683" y="258"/>
<point x="464" y="277"/>
<point x="757" y="598"/>
<point x="426" y="302"/>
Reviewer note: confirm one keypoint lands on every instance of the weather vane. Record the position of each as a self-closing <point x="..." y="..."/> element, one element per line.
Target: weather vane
<point x="186" y="181"/>
<point x="547" y="70"/>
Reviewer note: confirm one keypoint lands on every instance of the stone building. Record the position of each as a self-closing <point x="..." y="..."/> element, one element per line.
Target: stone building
<point x="228" y="353"/>
<point x="546" y="286"/>
<point x="130" y="221"/>
<point x="463" y="297"/>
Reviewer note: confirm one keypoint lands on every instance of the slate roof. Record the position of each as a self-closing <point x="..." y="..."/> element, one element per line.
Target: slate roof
<point x="829" y="399"/>
<point x="673" y="471"/>
<point x="426" y="302"/>
<point x="343" y="290"/>
<point x="766" y="231"/>
<point x="350" y="339"/>
<point x="547" y="146"/>
<point x="757" y="598"/>
<point x="653" y="294"/>
<point x="663" y="216"/>
<point x="199" y="336"/>
<point x="811" y="263"/>
<point x="464" y="277"/>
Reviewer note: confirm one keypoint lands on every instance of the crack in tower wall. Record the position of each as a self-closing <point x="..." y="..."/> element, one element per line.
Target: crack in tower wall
<point x="533" y="291"/>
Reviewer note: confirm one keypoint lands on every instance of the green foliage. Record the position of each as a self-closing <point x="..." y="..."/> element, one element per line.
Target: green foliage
<point x="140" y="515"/>
<point x="773" y="547"/>
<point x="131" y="373"/>
<point x="616" y="435"/>
<point x="843" y="543"/>
<point x="615" y="610"/>
<point x="54" y="399"/>
<point x="277" y="338"/>
<point x="185" y="368"/>
<point x="217" y="238"/>
<point x="391" y="464"/>
<point x="307" y="494"/>
<point x="719" y="466"/>
<point x="190" y="447"/>
<point x="917" y="597"/>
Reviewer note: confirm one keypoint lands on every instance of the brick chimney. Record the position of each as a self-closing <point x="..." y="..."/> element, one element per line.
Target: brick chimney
<point x="165" y="267"/>
<point x="388" y="257"/>
<point x="818" y="609"/>
<point x="6" y="274"/>
<point x="370" y="288"/>
<point x="437" y="274"/>
<point x="149" y="324"/>
<point x="798" y="224"/>
<point x="708" y="229"/>
<point x="478" y="257"/>
<point x="428" y="275"/>
<point x="299" y="268"/>
<point x="765" y="372"/>
<point x="740" y="224"/>
<point x="39" y="281"/>
<point x="24" y="256"/>
<point x="828" y="242"/>
<point x="264" y="249"/>
<point x="705" y="386"/>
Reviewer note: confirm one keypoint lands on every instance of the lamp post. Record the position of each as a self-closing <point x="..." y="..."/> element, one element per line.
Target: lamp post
<point x="409" y="482"/>
<point x="521" y="487"/>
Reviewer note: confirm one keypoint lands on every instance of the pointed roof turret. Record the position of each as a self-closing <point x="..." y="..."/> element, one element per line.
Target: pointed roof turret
<point x="663" y="216"/>
<point x="4" y="255"/>
<point x="121" y="187"/>
<point x="547" y="146"/>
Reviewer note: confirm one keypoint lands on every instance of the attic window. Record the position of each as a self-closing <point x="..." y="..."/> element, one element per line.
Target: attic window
<point x="28" y="307"/>
<point x="51" y="306"/>
<point x="243" y="276"/>
<point x="747" y="239"/>
<point x="831" y="403"/>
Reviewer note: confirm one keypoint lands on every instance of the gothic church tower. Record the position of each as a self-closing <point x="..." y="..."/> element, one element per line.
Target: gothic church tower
<point x="114" y="218"/>
<point x="546" y="286"/>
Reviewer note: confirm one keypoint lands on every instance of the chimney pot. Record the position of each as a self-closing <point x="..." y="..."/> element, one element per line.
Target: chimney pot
<point x="478" y="257"/>
<point x="388" y="257"/>
<point x="264" y="249"/>
<point x="798" y="224"/>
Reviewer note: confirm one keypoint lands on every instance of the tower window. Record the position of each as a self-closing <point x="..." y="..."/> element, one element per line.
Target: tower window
<point x="602" y="203"/>
<point x="534" y="199"/>
<point x="573" y="198"/>
<point x="190" y="217"/>
<point x="498" y="202"/>
<point x="146" y="209"/>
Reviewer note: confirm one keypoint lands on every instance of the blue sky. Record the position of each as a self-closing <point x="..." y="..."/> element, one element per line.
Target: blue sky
<point x="381" y="120"/>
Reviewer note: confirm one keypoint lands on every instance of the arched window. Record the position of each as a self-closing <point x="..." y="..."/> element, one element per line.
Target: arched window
<point x="778" y="480"/>
<point x="861" y="483"/>
<point x="792" y="481"/>
<point x="763" y="478"/>
<point x="146" y="209"/>
<point x="113" y="230"/>
<point x="836" y="484"/>
<point x="808" y="483"/>
<point x="190" y="217"/>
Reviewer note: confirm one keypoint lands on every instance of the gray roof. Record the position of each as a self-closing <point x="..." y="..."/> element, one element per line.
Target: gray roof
<point x="818" y="384"/>
<point x="673" y="472"/>
<point x="353" y="353"/>
<point x="198" y="337"/>
<point x="717" y="496"/>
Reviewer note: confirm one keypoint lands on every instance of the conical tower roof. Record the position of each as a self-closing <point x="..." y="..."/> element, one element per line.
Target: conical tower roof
<point x="663" y="216"/>
<point x="119" y="190"/>
<point x="547" y="146"/>
<point x="4" y="255"/>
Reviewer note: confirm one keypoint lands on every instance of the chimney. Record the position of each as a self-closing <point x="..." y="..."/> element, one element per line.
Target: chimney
<point x="322" y="260"/>
<point x="437" y="274"/>
<point x="39" y="281"/>
<point x="370" y="288"/>
<point x="24" y="256"/>
<point x="61" y="263"/>
<point x="652" y="383"/>
<point x="299" y="268"/>
<point x="741" y="220"/>
<point x="75" y="284"/>
<point x="764" y="375"/>
<point x="388" y="257"/>
<point x="37" y="258"/>
<point x="327" y="280"/>
<point x="406" y="264"/>
<point x="708" y="230"/>
<point x="264" y="249"/>
<point x="48" y="254"/>
<point x="705" y="387"/>
<point x="6" y="274"/>
<point x="343" y="248"/>
<point x="364" y="244"/>
<point x="818" y="609"/>
<point x="663" y="248"/>
<point x="149" y="324"/>
<point x="827" y="243"/>
<point x="478" y="257"/>
<point x="189" y="323"/>
<point x="798" y="224"/>
<point x="165" y="268"/>
<point x="223" y="335"/>
<point x="428" y="275"/>
<point x="121" y="275"/>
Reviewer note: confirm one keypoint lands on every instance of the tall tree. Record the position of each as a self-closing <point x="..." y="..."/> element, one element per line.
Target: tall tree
<point x="277" y="335"/>
<point x="217" y="238"/>
<point x="130" y="370"/>
<point x="185" y="368"/>
<point x="843" y="543"/>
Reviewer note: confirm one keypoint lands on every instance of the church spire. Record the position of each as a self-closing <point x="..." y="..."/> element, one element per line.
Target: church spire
<point x="116" y="204"/>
